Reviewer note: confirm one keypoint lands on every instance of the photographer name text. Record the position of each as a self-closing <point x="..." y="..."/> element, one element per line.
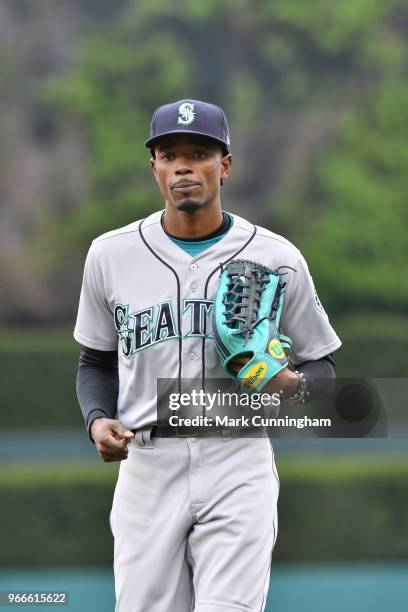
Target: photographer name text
<point x="242" y="422"/>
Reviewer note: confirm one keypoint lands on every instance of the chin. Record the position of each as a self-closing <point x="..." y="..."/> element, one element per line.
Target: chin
<point x="189" y="205"/>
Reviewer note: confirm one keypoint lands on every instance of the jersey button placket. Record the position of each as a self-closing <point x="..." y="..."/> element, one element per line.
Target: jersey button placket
<point x="191" y="350"/>
<point x="196" y="482"/>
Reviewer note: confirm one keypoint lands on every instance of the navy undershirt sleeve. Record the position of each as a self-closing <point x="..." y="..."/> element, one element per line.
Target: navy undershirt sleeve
<point x="320" y="376"/>
<point x="97" y="384"/>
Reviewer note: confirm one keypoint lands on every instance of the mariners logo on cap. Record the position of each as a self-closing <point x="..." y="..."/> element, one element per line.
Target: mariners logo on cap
<point x="186" y="113"/>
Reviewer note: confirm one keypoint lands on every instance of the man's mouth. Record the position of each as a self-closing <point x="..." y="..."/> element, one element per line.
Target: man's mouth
<point x="185" y="185"/>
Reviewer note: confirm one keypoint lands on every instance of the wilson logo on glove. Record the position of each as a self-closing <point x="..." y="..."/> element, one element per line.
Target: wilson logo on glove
<point x="246" y="316"/>
<point x="254" y="376"/>
<point x="276" y="350"/>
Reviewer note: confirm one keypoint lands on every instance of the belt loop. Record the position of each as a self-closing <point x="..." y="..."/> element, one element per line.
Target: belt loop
<point x="143" y="438"/>
<point x="227" y="434"/>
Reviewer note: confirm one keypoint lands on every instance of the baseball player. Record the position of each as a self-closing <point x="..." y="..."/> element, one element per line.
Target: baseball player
<point x="194" y="517"/>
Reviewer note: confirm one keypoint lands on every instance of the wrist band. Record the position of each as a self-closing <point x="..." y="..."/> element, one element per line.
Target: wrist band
<point x="301" y="392"/>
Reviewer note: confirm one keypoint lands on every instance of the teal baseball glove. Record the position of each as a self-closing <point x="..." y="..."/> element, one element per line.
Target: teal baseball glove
<point x="246" y="316"/>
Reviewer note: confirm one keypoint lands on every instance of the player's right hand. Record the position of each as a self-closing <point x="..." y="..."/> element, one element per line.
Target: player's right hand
<point x="111" y="439"/>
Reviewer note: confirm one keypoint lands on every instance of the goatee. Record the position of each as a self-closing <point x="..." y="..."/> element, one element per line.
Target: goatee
<point x="189" y="205"/>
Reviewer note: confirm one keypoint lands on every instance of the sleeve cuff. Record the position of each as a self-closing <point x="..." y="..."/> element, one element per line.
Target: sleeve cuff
<point x="92" y="416"/>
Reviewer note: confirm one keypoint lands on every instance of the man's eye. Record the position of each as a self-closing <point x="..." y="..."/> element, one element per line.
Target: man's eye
<point x="200" y="154"/>
<point x="169" y="156"/>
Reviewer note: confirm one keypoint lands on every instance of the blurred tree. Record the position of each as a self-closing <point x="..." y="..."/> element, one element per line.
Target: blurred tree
<point x="296" y="79"/>
<point x="284" y="71"/>
<point x="356" y="239"/>
<point x="109" y="93"/>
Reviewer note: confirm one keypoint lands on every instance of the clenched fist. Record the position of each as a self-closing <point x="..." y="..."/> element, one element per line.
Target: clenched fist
<point x="111" y="439"/>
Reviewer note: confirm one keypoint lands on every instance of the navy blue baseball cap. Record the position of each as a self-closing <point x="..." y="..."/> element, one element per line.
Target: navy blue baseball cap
<point x="189" y="117"/>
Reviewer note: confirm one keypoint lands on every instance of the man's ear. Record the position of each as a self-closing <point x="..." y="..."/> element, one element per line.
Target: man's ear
<point x="226" y="162"/>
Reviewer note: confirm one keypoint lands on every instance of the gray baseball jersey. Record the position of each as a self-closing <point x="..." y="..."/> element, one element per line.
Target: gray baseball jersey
<point x="146" y="296"/>
<point x="194" y="519"/>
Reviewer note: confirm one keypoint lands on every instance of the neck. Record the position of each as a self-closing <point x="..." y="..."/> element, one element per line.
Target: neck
<point x="201" y="222"/>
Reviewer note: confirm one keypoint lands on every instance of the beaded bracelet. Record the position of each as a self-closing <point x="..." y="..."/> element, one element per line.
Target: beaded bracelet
<point x="301" y="392"/>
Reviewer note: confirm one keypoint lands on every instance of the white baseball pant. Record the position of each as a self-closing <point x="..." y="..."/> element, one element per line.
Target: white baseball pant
<point x="194" y="522"/>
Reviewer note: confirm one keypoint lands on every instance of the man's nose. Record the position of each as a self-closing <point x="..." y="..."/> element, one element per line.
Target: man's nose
<point x="183" y="167"/>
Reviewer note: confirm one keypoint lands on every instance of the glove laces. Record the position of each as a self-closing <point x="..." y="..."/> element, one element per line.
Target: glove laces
<point x="247" y="282"/>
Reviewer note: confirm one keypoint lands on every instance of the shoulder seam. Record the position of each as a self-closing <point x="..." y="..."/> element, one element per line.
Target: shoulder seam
<point x="102" y="238"/>
<point x="262" y="231"/>
<point x="238" y="225"/>
<point x="279" y="239"/>
<point x="246" y="229"/>
<point x="123" y="231"/>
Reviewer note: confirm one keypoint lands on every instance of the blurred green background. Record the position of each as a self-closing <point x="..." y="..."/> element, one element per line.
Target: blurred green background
<point x="316" y="94"/>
